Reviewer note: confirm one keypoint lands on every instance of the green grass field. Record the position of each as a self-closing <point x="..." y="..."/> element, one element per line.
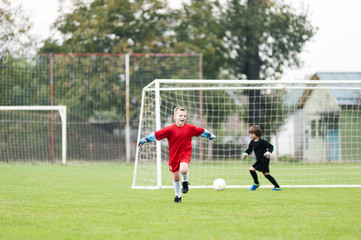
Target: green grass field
<point x="97" y="202"/>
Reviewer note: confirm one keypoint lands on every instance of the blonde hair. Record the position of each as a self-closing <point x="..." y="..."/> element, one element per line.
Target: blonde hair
<point x="179" y="108"/>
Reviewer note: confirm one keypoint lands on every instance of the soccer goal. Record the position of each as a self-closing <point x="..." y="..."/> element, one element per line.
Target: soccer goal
<point x="314" y="126"/>
<point x="32" y="134"/>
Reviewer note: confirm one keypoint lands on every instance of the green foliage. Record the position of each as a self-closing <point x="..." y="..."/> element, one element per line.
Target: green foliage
<point x="217" y="111"/>
<point x="24" y="81"/>
<point x="96" y="202"/>
<point x="90" y="84"/>
<point x="197" y="28"/>
<point x="146" y="68"/>
<point x="255" y="39"/>
<point x="15" y="37"/>
<point x="264" y="37"/>
<point x="112" y="26"/>
<point x="272" y="111"/>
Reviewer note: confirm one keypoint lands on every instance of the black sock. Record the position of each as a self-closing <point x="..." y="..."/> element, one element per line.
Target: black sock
<point x="272" y="180"/>
<point x="254" y="175"/>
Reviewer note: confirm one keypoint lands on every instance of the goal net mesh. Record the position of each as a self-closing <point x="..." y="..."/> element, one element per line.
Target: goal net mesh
<point x="28" y="135"/>
<point x="314" y="126"/>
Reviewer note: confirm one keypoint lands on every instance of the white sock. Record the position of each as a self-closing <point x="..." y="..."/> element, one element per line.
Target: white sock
<point x="177" y="188"/>
<point x="185" y="177"/>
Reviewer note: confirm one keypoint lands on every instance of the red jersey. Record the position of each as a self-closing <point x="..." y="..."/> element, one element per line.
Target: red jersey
<point x="179" y="142"/>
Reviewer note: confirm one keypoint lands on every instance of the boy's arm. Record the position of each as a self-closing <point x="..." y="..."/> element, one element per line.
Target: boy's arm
<point x="149" y="138"/>
<point x="269" y="148"/>
<point x="208" y="135"/>
<point x="158" y="135"/>
<point x="247" y="151"/>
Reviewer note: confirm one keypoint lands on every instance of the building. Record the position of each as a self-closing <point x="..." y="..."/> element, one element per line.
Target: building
<point x="325" y="124"/>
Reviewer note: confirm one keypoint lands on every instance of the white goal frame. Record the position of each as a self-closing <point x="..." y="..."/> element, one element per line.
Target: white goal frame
<point x="155" y="86"/>
<point x="62" y="112"/>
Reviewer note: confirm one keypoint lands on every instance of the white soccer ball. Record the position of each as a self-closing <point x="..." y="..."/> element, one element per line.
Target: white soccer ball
<point x="219" y="184"/>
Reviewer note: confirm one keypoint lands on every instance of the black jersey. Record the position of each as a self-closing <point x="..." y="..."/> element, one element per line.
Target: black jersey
<point x="259" y="148"/>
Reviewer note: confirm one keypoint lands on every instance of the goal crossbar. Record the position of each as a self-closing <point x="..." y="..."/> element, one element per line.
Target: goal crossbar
<point x="244" y="84"/>
<point x="253" y="82"/>
<point x="249" y="88"/>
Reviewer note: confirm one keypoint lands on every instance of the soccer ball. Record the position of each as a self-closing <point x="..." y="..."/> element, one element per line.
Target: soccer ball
<point x="219" y="184"/>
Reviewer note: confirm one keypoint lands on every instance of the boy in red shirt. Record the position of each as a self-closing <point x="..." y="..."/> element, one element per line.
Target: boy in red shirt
<point x="179" y="137"/>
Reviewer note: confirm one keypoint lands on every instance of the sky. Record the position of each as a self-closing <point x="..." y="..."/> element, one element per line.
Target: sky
<point x="336" y="45"/>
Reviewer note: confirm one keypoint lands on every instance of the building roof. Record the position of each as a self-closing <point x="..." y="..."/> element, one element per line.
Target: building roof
<point x="337" y="76"/>
<point x="292" y="97"/>
<point x="344" y="98"/>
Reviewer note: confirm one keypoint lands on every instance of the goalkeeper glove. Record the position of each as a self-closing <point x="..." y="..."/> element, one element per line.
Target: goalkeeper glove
<point x="141" y="142"/>
<point x="149" y="138"/>
<point x="208" y="135"/>
<point x="211" y="136"/>
<point x="267" y="155"/>
<point x="244" y="155"/>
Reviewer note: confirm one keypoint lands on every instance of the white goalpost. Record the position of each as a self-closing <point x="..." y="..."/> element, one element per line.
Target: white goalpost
<point x="314" y="126"/>
<point x="27" y="132"/>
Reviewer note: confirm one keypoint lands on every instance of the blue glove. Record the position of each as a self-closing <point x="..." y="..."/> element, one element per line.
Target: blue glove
<point x="211" y="136"/>
<point x="142" y="141"/>
<point x="149" y="138"/>
<point x="208" y="135"/>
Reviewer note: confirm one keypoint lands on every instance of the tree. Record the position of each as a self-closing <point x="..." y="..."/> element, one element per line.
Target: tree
<point x="197" y="28"/>
<point x="112" y="26"/>
<point x="254" y="39"/>
<point x="120" y="26"/>
<point x="148" y="26"/>
<point x="263" y="37"/>
<point x="15" y="37"/>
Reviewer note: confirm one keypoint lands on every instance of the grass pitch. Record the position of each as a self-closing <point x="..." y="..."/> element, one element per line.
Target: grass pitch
<point x="96" y="202"/>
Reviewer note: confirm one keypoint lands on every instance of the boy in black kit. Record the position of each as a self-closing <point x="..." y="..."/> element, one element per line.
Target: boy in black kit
<point x="262" y="149"/>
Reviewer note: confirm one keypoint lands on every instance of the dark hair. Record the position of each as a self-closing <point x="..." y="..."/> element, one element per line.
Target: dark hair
<point x="256" y="129"/>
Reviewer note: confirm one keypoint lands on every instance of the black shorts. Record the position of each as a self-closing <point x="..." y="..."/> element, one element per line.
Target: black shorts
<point x="262" y="165"/>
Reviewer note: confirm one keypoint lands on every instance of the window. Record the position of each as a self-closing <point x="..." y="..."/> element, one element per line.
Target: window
<point x="313" y="128"/>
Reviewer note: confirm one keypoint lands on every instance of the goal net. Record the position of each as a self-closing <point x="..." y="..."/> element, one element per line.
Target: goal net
<point x="314" y="126"/>
<point x="33" y="134"/>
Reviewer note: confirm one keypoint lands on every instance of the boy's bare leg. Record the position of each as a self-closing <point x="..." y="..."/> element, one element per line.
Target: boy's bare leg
<point x="184" y="169"/>
<point x="176" y="176"/>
